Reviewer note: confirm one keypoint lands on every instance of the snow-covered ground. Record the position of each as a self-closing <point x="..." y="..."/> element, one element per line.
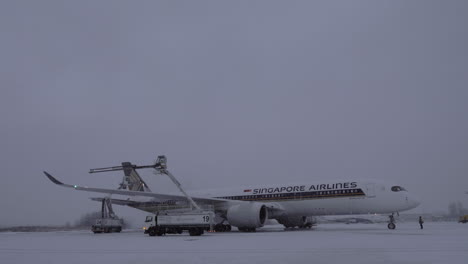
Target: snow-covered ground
<point x="328" y="243"/>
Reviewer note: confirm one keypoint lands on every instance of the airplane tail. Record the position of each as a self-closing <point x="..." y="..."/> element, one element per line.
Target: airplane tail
<point x="132" y="180"/>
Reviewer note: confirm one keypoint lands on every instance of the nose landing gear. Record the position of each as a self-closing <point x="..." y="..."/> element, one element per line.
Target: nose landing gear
<point x="391" y="222"/>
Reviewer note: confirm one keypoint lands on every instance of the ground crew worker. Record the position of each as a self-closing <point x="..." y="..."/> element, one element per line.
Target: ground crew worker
<point x="421" y="222"/>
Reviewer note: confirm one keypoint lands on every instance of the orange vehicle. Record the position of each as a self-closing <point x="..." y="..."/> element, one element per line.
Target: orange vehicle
<point x="463" y="219"/>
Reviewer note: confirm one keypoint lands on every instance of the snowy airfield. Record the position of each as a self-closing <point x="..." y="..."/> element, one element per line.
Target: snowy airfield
<point x="439" y="242"/>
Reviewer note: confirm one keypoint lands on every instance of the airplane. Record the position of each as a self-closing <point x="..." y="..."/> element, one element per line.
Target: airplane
<point x="249" y="208"/>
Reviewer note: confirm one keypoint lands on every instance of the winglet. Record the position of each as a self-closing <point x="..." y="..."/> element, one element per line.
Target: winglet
<point x="53" y="179"/>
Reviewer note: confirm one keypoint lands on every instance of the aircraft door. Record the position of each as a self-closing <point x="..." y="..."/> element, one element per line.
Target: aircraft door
<point x="370" y="190"/>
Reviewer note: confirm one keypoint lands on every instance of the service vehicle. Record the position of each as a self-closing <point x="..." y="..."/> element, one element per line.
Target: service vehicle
<point x="109" y="222"/>
<point x="196" y="223"/>
<point x="463" y="219"/>
<point x="107" y="225"/>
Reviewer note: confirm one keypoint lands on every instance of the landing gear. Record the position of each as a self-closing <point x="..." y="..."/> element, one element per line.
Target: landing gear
<point x="300" y="227"/>
<point x="391" y="222"/>
<point x="247" y="229"/>
<point x="222" y="228"/>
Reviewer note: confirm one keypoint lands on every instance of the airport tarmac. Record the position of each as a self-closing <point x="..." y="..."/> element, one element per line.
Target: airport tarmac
<point x="438" y="242"/>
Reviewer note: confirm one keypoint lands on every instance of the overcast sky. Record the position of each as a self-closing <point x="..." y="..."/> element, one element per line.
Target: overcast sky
<point x="234" y="93"/>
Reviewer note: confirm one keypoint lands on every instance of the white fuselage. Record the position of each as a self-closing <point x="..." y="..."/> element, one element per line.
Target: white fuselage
<point x="337" y="198"/>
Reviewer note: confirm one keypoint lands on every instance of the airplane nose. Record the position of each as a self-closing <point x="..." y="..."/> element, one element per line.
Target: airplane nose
<point x="413" y="201"/>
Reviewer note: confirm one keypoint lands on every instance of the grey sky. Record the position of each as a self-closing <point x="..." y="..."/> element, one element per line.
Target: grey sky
<point x="234" y="93"/>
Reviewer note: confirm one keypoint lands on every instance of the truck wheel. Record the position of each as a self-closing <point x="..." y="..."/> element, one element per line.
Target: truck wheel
<point x="152" y="232"/>
<point x="195" y="232"/>
<point x="161" y="231"/>
<point x="200" y="231"/>
<point x="192" y="232"/>
<point x="391" y="226"/>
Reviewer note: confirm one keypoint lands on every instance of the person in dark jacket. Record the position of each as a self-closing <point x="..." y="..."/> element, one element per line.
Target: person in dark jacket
<point x="421" y="222"/>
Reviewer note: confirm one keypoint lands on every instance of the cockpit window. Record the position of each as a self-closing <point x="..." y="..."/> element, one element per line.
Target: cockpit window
<point x="398" y="189"/>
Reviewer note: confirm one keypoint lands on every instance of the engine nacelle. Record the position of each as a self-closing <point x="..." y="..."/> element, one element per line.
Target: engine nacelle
<point x="247" y="215"/>
<point x="297" y="221"/>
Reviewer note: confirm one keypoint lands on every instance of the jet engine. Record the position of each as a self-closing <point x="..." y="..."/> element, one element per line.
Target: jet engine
<point x="299" y="221"/>
<point x="247" y="216"/>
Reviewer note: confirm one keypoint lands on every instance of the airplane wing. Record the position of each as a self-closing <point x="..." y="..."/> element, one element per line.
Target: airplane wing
<point x="116" y="201"/>
<point x="136" y="193"/>
<point x="148" y="206"/>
